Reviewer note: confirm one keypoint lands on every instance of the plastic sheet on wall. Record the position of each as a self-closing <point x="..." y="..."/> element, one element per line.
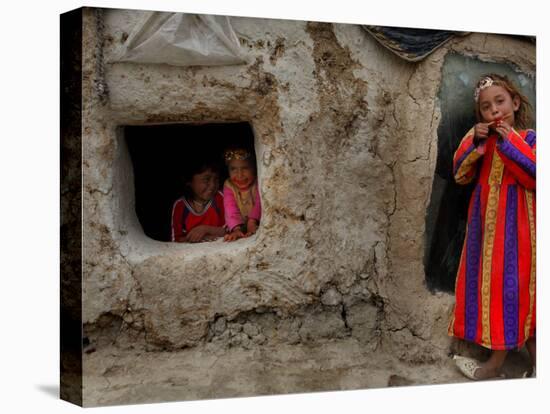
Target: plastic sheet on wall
<point x="182" y="40"/>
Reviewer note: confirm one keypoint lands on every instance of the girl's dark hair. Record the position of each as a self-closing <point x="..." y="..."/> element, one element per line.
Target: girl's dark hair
<point x="524" y="114"/>
<point x="195" y="167"/>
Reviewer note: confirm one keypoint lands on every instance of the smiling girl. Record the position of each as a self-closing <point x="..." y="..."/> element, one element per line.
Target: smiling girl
<point x="241" y="196"/>
<point x="495" y="286"/>
<point x="199" y="215"/>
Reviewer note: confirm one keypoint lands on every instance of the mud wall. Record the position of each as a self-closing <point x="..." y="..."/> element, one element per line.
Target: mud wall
<point x="346" y="142"/>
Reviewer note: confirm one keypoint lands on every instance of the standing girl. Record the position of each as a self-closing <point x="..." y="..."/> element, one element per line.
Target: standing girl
<point x="241" y="196"/>
<point x="495" y="286"/>
<point x="199" y="215"/>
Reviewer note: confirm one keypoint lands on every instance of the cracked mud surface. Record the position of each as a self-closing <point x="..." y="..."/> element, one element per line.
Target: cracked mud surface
<point x="115" y="377"/>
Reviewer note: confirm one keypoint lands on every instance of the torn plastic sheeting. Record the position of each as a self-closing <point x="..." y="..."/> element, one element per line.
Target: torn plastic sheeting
<point x="182" y="40"/>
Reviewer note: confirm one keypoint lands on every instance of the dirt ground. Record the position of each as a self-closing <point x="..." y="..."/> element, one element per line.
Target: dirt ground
<point x="137" y="376"/>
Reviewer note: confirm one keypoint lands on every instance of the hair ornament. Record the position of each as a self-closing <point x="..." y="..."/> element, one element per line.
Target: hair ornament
<point x="236" y="154"/>
<point x="482" y="84"/>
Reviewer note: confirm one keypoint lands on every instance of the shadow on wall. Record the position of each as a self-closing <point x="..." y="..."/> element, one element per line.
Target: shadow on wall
<point x="160" y="154"/>
<point x="448" y="208"/>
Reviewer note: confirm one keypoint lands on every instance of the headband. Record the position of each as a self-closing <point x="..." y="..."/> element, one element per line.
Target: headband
<point x="482" y="84"/>
<point x="236" y="154"/>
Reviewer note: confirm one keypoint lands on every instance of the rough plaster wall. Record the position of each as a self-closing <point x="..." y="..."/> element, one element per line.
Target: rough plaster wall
<point x="345" y="136"/>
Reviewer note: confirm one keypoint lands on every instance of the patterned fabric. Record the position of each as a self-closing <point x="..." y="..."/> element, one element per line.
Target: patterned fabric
<point x="495" y="285"/>
<point x="184" y="218"/>
<point x="412" y="45"/>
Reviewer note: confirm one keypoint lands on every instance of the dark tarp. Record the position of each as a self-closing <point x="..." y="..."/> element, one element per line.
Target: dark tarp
<point x="411" y="44"/>
<point x="415" y="44"/>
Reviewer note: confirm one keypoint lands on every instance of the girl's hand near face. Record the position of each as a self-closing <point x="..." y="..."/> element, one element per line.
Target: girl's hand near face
<point x="503" y="129"/>
<point x="481" y="131"/>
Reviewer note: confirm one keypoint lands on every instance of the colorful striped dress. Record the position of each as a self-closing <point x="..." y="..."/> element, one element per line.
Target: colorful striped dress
<point x="495" y="285"/>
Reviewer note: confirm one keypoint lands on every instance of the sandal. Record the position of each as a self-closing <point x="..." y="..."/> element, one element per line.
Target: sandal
<point x="469" y="366"/>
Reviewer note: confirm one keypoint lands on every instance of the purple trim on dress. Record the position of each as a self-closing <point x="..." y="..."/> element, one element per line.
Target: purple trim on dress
<point x="510" y="151"/>
<point x="473" y="256"/>
<point x="510" y="299"/>
<point x="463" y="157"/>
<point x="531" y="138"/>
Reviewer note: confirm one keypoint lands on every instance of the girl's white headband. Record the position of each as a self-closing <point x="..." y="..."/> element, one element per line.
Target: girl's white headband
<point x="482" y="84"/>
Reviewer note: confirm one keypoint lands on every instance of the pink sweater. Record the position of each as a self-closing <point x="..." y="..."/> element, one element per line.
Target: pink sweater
<point x="233" y="216"/>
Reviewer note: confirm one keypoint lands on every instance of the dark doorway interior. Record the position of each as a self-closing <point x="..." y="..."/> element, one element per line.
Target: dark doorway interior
<point x="160" y="154"/>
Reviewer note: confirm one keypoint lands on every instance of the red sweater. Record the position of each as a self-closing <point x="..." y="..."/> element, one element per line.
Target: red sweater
<point x="184" y="218"/>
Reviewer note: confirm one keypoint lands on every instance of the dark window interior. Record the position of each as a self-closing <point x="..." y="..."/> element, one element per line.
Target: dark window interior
<point x="160" y="154"/>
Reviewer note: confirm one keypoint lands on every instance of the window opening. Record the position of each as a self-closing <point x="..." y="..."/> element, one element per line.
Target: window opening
<point x="161" y="157"/>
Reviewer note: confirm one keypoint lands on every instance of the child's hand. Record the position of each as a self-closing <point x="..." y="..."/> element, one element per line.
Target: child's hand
<point x="234" y="235"/>
<point x="182" y="238"/>
<point x="197" y="234"/>
<point x="503" y="128"/>
<point x="481" y="131"/>
<point x="251" y="227"/>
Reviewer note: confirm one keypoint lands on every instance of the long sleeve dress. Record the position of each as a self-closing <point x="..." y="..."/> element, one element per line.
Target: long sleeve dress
<point x="495" y="285"/>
